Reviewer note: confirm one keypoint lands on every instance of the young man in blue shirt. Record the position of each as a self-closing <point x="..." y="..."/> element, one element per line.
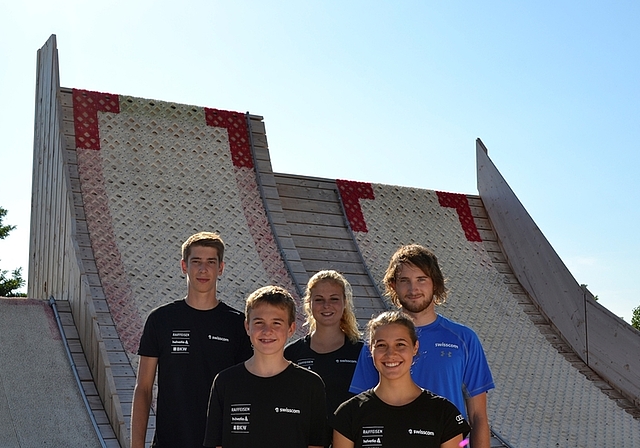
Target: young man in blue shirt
<point x="451" y="361"/>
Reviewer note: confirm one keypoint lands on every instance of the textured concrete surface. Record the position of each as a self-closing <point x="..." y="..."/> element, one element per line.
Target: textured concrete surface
<point x="40" y="404"/>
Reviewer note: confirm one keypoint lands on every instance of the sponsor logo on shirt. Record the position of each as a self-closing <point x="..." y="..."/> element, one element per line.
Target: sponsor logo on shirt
<point x="240" y="418"/>
<point x="180" y="342"/>
<point x="218" y="338"/>
<point x="346" y="361"/>
<point x="372" y="436"/>
<point x="421" y="432"/>
<point x="447" y="345"/>
<point x="307" y="363"/>
<point x="287" y="410"/>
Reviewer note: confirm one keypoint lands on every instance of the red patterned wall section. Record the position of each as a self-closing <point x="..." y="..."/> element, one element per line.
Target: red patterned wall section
<point x="351" y="192"/>
<point x="86" y="105"/>
<point x="461" y="204"/>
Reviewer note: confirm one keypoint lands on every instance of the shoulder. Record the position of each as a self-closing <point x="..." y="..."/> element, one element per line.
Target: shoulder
<point x="303" y="374"/>
<point x="167" y="310"/>
<point x="236" y="372"/>
<point x="297" y="345"/>
<point x="358" y="401"/>
<point x="456" y="328"/>
<point x="434" y="401"/>
<point x="223" y="308"/>
<point x="351" y="346"/>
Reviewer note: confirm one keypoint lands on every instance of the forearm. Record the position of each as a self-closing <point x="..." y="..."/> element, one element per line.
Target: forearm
<point x="480" y="436"/>
<point x="140" y="417"/>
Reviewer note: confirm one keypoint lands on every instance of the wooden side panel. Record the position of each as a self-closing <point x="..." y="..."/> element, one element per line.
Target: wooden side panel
<point x="533" y="260"/>
<point x="596" y="335"/>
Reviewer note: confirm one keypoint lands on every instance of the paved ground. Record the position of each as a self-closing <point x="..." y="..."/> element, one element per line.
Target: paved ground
<point x="40" y="404"/>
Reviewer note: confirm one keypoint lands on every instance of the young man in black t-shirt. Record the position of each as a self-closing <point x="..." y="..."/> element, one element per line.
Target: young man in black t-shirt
<point x="267" y="401"/>
<point x="187" y="342"/>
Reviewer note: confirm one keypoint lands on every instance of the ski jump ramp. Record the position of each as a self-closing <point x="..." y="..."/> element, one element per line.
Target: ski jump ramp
<point x="120" y="182"/>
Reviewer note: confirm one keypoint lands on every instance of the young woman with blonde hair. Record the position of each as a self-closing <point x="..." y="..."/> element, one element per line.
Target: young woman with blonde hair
<point x="333" y="343"/>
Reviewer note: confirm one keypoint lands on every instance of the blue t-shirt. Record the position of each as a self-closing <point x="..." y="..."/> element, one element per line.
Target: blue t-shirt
<point x="450" y="362"/>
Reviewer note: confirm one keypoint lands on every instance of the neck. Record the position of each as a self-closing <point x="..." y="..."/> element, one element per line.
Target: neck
<point x="327" y="339"/>
<point x="201" y="301"/>
<point x="398" y="391"/>
<point x="266" y="365"/>
<point x="424" y="317"/>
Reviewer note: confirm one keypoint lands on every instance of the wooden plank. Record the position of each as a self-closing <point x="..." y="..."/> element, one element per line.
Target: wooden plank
<point x="304" y="241"/>
<point x="482" y="223"/>
<point x="305" y="205"/>
<point x="348" y="255"/>
<point x="345" y="268"/>
<point x="317" y="232"/>
<point x="309" y="193"/>
<point x="312" y="220"/>
<point x="306" y="181"/>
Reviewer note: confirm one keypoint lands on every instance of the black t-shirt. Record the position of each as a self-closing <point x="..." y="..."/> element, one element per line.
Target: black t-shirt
<point x="426" y="422"/>
<point x="192" y="346"/>
<point x="286" y="410"/>
<point x="335" y="368"/>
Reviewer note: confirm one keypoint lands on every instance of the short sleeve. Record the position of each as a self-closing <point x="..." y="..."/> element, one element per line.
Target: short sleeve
<point x="149" y="343"/>
<point x="343" y="420"/>
<point x="454" y="423"/>
<point x="477" y="374"/>
<point x="365" y="376"/>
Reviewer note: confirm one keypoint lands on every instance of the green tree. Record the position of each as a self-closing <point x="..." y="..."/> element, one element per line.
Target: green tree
<point x="8" y="285"/>
<point x="635" y="318"/>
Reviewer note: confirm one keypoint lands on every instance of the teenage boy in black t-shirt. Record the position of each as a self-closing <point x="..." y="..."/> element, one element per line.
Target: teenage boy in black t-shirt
<point x="188" y="342"/>
<point x="267" y="401"/>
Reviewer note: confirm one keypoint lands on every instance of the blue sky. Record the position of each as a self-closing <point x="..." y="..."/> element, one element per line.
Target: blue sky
<point x="387" y="92"/>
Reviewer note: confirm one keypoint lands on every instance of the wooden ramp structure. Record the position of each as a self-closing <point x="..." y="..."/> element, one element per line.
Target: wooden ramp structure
<point x="119" y="182"/>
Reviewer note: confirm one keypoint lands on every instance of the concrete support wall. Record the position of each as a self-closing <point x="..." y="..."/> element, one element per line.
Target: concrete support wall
<point x="603" y="341"/>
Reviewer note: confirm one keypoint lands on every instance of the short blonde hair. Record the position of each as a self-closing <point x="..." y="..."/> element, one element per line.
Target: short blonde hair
<point x="272" y="295"/>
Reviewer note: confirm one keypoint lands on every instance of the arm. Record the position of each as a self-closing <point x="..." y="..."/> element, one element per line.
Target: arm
<point x="480" y="436"/>
<point x="452" y="443"/>
<point x="142" y="396"/>
<point x="340" y="441"/>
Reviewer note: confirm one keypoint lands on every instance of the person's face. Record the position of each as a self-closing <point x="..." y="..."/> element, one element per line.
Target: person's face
<point x="327" y="303"/>
<point x="268" y="328"/>
<point x="202" y="269"/>
<point x="393" y="350"/>
<point x="414" y="288"/>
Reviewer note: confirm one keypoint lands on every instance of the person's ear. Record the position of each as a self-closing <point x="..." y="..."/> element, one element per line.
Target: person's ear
<point x="415" y="348"/>
<point x="221" y="268"/>
<point x="183" y="265"/>
<point x="246" y="327"/>
<point x="292" y="329"/>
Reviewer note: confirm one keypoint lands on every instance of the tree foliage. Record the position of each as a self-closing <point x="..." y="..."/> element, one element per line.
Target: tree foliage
<point x="8" y="285"/>
<point x="4" y="230"/>
<point x="635" y="318"/>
